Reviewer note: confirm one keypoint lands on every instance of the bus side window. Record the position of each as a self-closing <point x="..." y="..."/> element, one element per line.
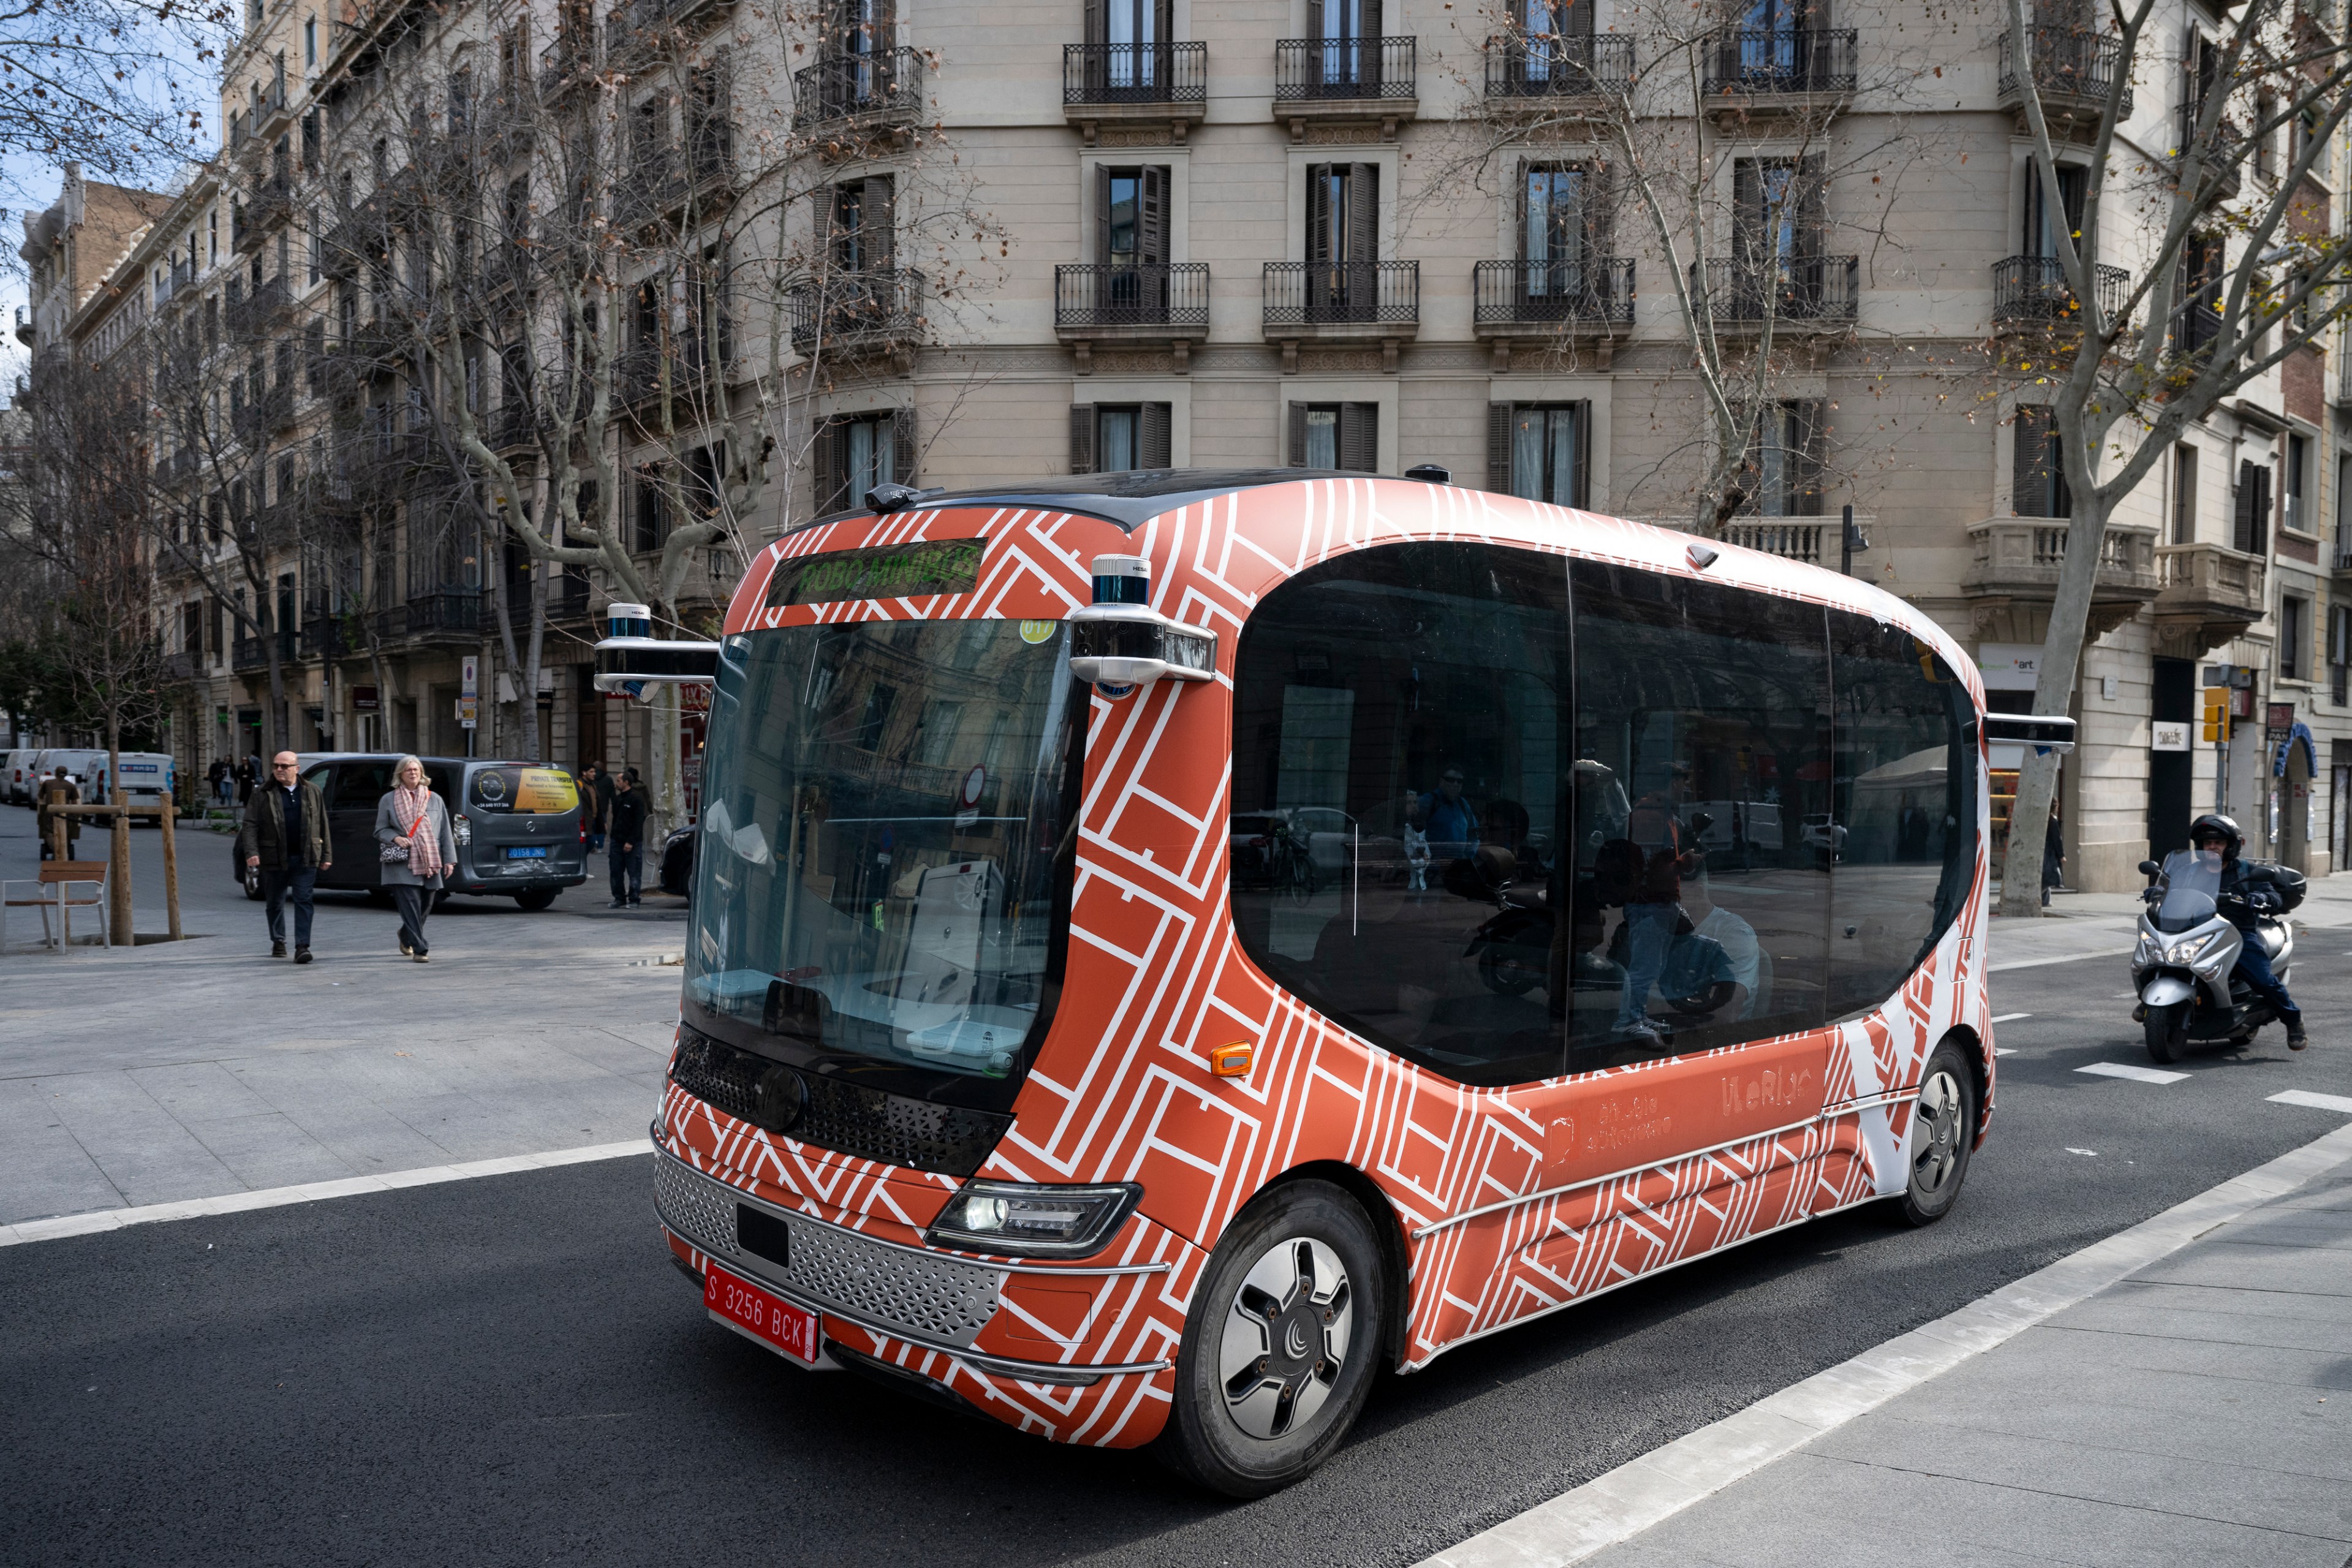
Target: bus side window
<point x="1398" y="798"/>
<point x="1905" y="794"/>
<point x="1699" y="887"/>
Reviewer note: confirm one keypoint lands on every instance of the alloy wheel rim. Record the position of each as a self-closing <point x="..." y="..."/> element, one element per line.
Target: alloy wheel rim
<point x="1936" y="1135"/>
<point x="1287" y="1335"/>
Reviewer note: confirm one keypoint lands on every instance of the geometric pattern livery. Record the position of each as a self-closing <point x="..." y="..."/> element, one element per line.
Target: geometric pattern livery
<point x="1510" y="1202"/>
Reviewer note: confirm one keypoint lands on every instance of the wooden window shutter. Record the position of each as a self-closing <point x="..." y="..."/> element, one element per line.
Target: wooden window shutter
<point x="1359" y="433"/>
<point x="1151" y="217"/>
<point x="1163" y="18"/>
<point x="1318" y="214"/>
<point x="1498" y="447"/>
<point x="1082" y="438"/>
<point x="1807" y="422"/>
<point x="2027" y="486"/>
<point x="2242" y="533"/>
<point x="902" y="446"/>
<point x="1097" y="28"/>
<point x="823" y="486"/>
<point x="1298" y="458"/>
<point x="1157" y="436"/>
<point x="1313" y="18"/>
<point x="1363" y="214"/>
<point x="1581" y="496"/>
<point x="1600" y="198"/>
<point x="1812" y="204"/>
<point x="877" y="221"/>
<point x="1369" y="14"/>
<point x="1102" y="215"/>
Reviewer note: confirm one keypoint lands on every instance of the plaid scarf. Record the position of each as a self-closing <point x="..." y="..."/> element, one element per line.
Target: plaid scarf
<point x="411" y="808"/>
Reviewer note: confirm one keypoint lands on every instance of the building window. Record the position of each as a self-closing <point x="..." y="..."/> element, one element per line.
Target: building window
<point x="2253" y="530"/>
<point x="1335" y="435"/>
<point x="2294" y="626"/>
<point x="1540" y="450"/>
<point x="1343" y="242"/>
<point x="2043" y="228"/>
<point x="2184" y="494"/>
<point x="2038" y="487"/>
<point x="2339" y="650"/>
<point x="2298" y="516"/>
<point x="862" y="224"/>
<point x="854" y="452"/>
<point x="310" y="42"/>
<point x="1111" y="438"/>
<point x="1782" y="476"/>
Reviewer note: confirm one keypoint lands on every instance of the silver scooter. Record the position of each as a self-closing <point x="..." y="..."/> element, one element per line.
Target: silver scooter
<point x="2184" y="967"/>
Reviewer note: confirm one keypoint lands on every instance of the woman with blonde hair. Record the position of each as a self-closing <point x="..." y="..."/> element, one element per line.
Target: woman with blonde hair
<point x="412" y="824"/>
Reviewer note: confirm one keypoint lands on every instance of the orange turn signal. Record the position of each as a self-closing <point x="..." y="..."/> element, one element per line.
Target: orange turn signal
<point x="1232" y="1061"/>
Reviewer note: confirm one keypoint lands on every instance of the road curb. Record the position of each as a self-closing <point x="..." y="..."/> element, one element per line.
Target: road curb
<point x="1643" y="1492"/>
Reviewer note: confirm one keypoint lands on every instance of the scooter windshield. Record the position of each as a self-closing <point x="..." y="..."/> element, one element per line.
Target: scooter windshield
<point x="2192" y="890"/>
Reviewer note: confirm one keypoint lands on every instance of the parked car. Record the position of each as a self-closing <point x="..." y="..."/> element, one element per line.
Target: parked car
<point x="519" y="827"/>
<point x="677" y="862"/>
<point x="16" y="775"/>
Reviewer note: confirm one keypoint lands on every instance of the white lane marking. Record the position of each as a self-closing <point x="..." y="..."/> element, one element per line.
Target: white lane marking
<point x="2009" y="1017"/>
<point x="2317" y="1101"/>
<point x="2004" y="1050"/>
<point x="2137" y="1074"/>
<point x="1646" y="1491"/>
<point x="2092" y="1154"/>
<point x="277" y="1197"/>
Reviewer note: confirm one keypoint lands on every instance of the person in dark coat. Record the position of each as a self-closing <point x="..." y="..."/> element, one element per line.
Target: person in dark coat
<point x="2053" y="856"/>
<point x="597" y="800"/>
<point x="285" y="838"/>
<point x="57" y="790"/>
<point x="625" y="840"/>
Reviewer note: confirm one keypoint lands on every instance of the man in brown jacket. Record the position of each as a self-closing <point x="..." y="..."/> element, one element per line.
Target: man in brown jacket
<point x="285" y="836"/>
<point x="60" y="791"/>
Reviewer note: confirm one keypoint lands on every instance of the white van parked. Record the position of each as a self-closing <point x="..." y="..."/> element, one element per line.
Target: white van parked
<point x="16" y="775"/>
<point x="147" y="776"/>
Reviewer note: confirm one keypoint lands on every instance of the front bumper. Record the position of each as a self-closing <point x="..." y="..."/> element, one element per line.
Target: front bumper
<point x="923" y="1310"/>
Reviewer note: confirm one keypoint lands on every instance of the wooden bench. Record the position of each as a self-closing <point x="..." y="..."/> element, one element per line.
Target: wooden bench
<point x="55" y="884"/>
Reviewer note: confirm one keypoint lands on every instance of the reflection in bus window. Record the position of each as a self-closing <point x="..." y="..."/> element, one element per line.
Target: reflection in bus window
<point x="1397" y="797"/>
<point x="1702" y="827"/>
<point x="1905" y="802"/>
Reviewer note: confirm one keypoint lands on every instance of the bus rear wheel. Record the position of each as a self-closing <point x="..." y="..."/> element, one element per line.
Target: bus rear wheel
<point x="1942" y="1133"/>
<point x="1278" y="1356"/>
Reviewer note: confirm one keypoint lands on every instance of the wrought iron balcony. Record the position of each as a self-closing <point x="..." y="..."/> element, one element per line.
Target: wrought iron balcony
<point x="1310" y="69"/>
<point x="2195" y="327"/>
<point x="1315" y="294"/>
<point x="248" y="653"/>
<point x="1162" y="73"/>
<point x="1554" y="295"/>
<point x="876" y="90"/>
<point x="444" y="611"/>
<point x="2031" y="290"/>
<point x="322" y="637"/>
<point x="1779" y="61"/>
<point x="2227" y="143"/>
<point x="244" y="317"/>
<point x="1163" y="297"/>
<point x="179" y="668"/>
<point x="653" y="186"/>
<point x="883" y="306"/>
<point x="2073" y="68"/>
<point x="1545" y="67"/>
<point x="271" y="411"/>
<point x="567" y="596"/>
<point x="1802" y="290"/>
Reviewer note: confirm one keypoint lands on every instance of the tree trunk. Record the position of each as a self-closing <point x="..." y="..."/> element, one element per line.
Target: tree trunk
<point x="531" y="652"/>
<point x="2053" y="690"/>
<point x="118" y="878"/>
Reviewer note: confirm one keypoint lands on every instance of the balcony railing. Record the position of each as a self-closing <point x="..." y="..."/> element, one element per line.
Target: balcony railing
<point x="1521" y="66"/>
<point x="1597" y="292"/>
<point x="1796" y="289"/>
<point x="2195" y="327"/>
<point x="322" y="637"/>
<point x="2033" y="288"/>
<point x="2069" y="63"/>
<point x="1330" y="294"/>
<point x="1113" y="296"/>
<point x="1313" y="69"/>
<point x="2022" y="556"/>
<point x="1781" y="60"/>
<point x="1135" y="73"/>
<point x="1790" y="542"/>
<point x="886" y="85"/>
<point x="246" y="316"/>
<point x="860" y="306"/>
<point x="567" y="597"/>
<point x="2228" y="141"/>
<point x="653" y="184"/>
<point x="444" y="610"/>
<point x="252" y="652"/>
<point x="179" y="668"/>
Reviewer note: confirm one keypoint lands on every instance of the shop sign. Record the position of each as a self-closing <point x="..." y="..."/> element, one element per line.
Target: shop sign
<point x="2169" y="735"/>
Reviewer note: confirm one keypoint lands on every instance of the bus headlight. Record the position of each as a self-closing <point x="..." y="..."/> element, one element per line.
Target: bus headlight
<point x="1033" y="1221"/>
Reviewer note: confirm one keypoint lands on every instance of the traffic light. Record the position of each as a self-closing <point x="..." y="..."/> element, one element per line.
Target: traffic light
<point x="2217" y="713"/>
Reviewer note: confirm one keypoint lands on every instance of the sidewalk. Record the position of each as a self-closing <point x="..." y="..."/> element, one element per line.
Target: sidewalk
<point x="2087" y="924"/>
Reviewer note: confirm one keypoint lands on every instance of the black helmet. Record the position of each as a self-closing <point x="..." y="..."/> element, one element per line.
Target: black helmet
<point x="2213" y="824"/>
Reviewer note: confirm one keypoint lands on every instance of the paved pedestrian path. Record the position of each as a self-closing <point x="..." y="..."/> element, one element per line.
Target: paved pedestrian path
<point x="2083" y="924"/>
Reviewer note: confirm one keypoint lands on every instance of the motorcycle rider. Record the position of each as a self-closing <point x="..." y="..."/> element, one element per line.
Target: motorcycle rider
<point x="2244" y="901"/>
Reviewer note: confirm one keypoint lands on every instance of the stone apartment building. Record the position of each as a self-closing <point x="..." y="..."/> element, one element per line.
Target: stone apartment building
<point x="1116" y="233"/>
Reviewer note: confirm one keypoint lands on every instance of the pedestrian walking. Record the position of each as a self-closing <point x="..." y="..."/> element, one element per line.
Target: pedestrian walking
<point x="248" y="774"/>
<point x="285" y="838"/>
<point x="626" y="838"/>
<point x="412" y="824"/>
<point x="595" y="796"/>
<point x="602" y="823"/>
<point x="58" y="790"/>
<point x="2053" y="856"/>
<point x="220" y="779"/>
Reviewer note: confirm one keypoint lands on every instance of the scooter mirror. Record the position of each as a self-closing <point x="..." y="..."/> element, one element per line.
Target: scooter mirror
<point x="2149" y="868"/>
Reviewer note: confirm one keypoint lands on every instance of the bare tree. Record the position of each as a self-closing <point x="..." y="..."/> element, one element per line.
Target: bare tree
<point x="2227" y="278"/>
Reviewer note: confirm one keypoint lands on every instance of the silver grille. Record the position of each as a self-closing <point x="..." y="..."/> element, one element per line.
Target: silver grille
<point x="700" y="1209"/>
<point x="935" y="1297"/>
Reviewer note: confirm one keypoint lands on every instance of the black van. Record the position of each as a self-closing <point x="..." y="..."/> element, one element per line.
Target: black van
<point x="517" y="825"/>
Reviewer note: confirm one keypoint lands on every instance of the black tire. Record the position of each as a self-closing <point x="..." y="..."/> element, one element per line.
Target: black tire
<point x="537" y="899"/>
<point x="2167" y="1029"/>
<point x="1334" y="1312"/>
<point x="1942" y="1135"/>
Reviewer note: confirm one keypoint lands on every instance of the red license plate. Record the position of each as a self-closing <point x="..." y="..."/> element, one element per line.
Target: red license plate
<point x="769" y="1319"/>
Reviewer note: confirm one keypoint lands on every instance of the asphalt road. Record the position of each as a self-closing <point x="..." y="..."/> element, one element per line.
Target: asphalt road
<point x="510" y="1369"/>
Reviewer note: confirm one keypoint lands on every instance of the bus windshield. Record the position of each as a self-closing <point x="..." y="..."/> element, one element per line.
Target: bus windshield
<point x="885" y="807"/>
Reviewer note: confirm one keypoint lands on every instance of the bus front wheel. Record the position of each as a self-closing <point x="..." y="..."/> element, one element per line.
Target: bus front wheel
<point x="1942" y="1133"/>
<point x="1278" y="1355"/>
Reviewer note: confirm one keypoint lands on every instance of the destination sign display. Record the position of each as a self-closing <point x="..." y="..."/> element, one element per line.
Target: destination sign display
<point x="895" y="572"/>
